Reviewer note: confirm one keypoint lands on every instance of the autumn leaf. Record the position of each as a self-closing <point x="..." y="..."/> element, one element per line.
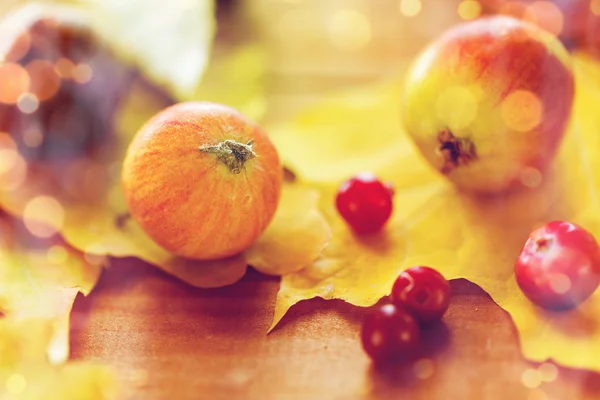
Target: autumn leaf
<point x="295" y="238"/>
<point x="26" y="374"/>
<point x="86" y="198"/>
<point x="464" y="237"/>
<point x="41" y="278"/>
<point x="102" y="226"/>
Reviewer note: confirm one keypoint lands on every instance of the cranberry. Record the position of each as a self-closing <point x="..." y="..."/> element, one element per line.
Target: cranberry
<point x="365" y="203"/>
<point x="559" y="266"/>
<point x="389" y="333"/>
<point x="423" y="292"/>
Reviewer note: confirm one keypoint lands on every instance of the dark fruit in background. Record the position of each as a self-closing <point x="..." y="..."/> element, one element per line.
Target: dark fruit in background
<point x="59" y="86"/>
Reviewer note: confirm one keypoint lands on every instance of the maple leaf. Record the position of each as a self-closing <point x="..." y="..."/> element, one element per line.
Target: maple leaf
<point x="89" y="207"/>
<point x="41" y="278"/>
<point x="477" y="238"/>
<point x="26" y="374"/>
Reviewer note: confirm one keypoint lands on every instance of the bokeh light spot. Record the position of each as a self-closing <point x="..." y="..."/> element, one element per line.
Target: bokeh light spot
<point x="13" y="173"/>
<point x="15" y="82"/>
<point x="548" y="372"/>
<point x="469" y="9"/>
<point x="457" y="107"/>
<point x="33" y="137"/>
<point x="7" y="142"/>
<point x="545" y="14"/>
<point x="16" y="384"/>
<point x="82" y="73"/>
<point x="8" y="159"/>
<point x="560" y="283"/>
<point x="28" y="103"/>
<point x="92" y="258"/>
<point x="8" y="153"/>
<point x="514" y="8"/>
<point x="43" y="216"/>
<point x="595" y="7"/>
<point x="64" y="68"/>
<point x="522" y="111"/>
<point x="57" y="255"/>
<point x="530" y="378"/>
<point x="410" y="8"/>
<point x="424" y="368"/>
<point x="44" y="81"/>
<point x="349" y="29"/>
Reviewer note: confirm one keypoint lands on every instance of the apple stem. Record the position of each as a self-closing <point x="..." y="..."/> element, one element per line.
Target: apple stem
<point x="231" y="153"/>
<point x="455" y="151"/>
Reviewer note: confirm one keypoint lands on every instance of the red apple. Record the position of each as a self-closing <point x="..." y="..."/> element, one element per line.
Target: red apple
<point x="488" y="102"/>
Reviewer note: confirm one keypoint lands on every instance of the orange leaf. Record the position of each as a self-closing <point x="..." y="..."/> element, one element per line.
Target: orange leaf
<point x="469" y="237"/>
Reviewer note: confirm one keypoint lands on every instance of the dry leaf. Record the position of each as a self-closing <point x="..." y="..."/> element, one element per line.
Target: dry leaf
<point x="296" y="236"/>
<point x="26" y="374"/>
<point x="474" y="238"/>
<point x="84" y="192"/>
<point x="41" y="278"/>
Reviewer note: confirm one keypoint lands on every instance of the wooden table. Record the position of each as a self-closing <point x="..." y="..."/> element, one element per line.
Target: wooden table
<point x="167" y="340"/>
<point x="170" y="341"/>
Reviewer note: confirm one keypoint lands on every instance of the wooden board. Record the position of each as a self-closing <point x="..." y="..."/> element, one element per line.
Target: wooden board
<point x="167" y="340"/>
<point x="170" y="341"/>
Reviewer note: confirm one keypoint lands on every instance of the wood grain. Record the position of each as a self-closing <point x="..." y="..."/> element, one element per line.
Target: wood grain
<point x="168" y="340"/>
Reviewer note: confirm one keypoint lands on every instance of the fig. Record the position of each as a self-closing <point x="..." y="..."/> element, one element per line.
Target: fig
<point x="488" y="103"/>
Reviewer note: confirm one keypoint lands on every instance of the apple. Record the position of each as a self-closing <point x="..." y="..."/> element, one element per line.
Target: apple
<point x="488" y="102"/>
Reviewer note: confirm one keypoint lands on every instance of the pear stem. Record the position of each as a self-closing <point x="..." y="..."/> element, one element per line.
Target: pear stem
<point x="454" y="151"/>
<point x="231" y="153"/>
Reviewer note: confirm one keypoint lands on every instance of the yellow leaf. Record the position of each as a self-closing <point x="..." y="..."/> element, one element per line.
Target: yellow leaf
<point x="296" y="236"/>
<point x="41" y="278"/>
<point x="461" y="236"/>
<point x="27" y="375"/>
<point x="356" y="128"/>
<point x="81" y="197"/>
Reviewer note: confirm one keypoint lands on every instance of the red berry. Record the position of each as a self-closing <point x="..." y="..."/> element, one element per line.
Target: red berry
<point x="559" y="266"/>
<point x="389" y="333"/>
<point x="365" y="203"/>
<point x="423" y="292"/>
